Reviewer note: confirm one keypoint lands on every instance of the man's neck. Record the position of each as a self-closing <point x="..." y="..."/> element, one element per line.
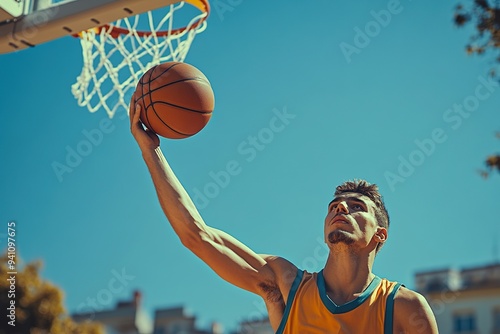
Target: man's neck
<point x="347" y="275"/>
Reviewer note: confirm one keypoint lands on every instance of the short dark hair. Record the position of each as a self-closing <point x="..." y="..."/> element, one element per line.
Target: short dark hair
<point x="371" y="191"/>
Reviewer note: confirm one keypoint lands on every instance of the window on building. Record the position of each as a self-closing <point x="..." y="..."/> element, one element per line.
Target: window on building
<point x="178" y="328"/>
<point x="496" y="320"/>
<point x="464" y="323"/>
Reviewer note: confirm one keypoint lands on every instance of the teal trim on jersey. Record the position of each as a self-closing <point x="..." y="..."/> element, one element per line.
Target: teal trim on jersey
<point x="334" y="308"/>
<point x="289" y="302"/>
<point x="389" y="310"/>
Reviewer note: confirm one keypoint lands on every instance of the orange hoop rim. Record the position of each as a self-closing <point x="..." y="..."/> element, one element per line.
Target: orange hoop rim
<point x="203" y="5"/>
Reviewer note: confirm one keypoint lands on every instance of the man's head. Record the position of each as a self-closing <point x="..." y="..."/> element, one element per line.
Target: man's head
<point x="358" y="203"/>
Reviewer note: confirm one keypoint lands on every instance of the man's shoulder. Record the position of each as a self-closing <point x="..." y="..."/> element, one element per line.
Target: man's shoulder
<point x="412" y="311"/>
<point x="408" y="298"/>
<point x="284" y="270"/>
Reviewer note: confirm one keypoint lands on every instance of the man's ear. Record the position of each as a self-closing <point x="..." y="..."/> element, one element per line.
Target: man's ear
<point x="381" y="234"/>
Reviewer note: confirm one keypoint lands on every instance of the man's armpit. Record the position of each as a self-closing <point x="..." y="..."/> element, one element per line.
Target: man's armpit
<point x="271" y="291"/>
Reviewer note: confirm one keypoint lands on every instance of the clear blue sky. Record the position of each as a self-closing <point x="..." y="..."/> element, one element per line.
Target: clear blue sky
<point x="357" y="119"/>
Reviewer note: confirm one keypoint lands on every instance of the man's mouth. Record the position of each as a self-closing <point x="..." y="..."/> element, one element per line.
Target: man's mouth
<point x="340" y="219"/>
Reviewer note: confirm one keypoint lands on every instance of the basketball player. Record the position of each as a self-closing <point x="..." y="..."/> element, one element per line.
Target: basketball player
<point x="344" y="297"/>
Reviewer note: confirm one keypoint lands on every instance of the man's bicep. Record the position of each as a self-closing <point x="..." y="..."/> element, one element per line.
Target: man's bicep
<point x="240" y="249"/>
<point x="233" y="261"/>
<point x="413" y="314"/>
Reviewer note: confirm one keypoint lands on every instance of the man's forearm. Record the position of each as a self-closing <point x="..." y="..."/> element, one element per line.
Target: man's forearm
<point x="174" y="200"/>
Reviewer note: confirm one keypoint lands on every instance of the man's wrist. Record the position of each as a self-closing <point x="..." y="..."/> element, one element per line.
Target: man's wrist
<point x="149" y="152"/>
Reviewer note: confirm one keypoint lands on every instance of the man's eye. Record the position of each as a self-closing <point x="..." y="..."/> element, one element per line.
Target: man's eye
<point x="357" y="207"/>
<point x="332" y="207"/>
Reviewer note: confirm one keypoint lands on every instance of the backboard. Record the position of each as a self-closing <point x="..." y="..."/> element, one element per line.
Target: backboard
<point x="25" y="23"/>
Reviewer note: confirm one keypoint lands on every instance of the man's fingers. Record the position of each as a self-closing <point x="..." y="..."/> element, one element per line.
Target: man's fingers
<point x="137" y="113"/>
<point x="131" y="108"/>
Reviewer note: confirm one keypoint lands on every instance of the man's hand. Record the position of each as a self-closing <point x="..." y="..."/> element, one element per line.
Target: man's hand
<point x="147" y="139"/>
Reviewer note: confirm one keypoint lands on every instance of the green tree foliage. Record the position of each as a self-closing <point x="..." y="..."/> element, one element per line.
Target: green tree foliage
<point x="38" y="304"/>
<point x="486" y="18"/>
<point x="492" y="163"/>
<point x="485" y="15"/>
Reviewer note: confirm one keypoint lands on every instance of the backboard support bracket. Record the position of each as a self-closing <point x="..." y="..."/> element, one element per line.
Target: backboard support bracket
<point x="68" y="18"/>
<point x="12" y="9"/>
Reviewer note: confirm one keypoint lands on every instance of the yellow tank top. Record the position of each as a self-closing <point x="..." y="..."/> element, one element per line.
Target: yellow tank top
<point x="310" y="311"/>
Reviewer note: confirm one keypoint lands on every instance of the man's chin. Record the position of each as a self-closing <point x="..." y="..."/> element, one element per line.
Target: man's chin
<point x="339" y="236"/>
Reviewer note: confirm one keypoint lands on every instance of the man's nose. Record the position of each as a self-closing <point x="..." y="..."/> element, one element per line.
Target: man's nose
<point x="341" y="207"/>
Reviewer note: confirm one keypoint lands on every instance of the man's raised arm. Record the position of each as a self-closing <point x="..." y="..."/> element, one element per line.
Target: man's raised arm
<point x="228" y="257"/>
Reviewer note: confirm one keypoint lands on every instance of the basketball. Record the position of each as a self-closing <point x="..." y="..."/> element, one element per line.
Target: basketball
<point x="176" y="100"/>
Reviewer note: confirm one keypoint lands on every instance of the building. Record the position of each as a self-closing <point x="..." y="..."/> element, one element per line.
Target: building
<point x="177" y="321"/>
<point x="259" y="326"/>
<point x="126" y="318"/>
<point x="465" y="301"/>
<point x="129" y="318"/>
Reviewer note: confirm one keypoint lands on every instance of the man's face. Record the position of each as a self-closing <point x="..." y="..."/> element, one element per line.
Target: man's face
<point x="351" y="221"/>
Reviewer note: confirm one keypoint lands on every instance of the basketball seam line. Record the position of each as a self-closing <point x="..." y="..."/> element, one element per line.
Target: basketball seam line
<point x="165" y="71"/>
<point x="180" y="107"/>
<point x="168" y="126"/>
<point x="174" y="82"/>
<point x="153" y="107"/>
<point x="145" y="110"/>
<point x="171" y="104"/>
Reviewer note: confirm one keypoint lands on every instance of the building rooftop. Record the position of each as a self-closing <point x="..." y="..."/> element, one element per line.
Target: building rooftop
<point x="479" y="277"/>
<point x="128" y="317"/>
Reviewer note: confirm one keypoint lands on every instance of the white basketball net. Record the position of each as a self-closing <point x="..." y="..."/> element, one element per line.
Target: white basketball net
<point x="113" y="65"/>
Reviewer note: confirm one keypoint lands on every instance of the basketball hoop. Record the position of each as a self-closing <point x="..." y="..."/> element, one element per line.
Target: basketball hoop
<point x="115" y="56"/>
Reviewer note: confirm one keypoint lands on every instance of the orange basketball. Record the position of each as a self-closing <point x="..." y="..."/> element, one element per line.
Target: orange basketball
<point x="176" y="100"/>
